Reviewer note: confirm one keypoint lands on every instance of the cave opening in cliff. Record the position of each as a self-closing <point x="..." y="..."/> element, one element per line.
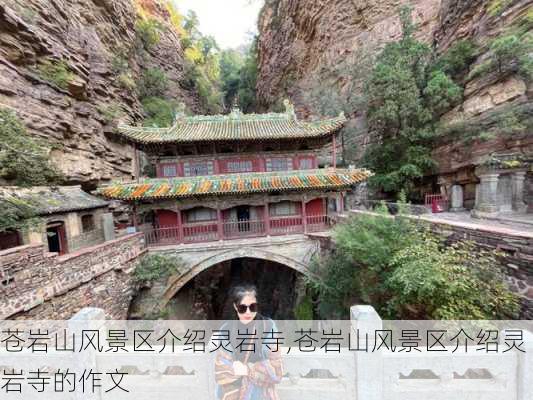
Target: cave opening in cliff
<point x="207" y="295"/>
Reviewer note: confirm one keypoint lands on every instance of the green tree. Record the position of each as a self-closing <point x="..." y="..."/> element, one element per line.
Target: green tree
<point x="407" y="273"/>
<point x="159" y="112"/>
<point x="456" y="60"/>
<point x="153" y="267"/>
<point x="512" y="53"/>
<point x="24" y="161"/>
<point x="406" y="95"/>
<point x="248" y="80"/>
<point x="231" y="63"/>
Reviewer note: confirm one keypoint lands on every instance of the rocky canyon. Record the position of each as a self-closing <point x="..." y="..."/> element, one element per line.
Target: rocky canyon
<point x="334" y="42"/>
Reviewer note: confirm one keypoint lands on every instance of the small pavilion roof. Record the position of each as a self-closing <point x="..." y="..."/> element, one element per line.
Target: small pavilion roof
<point x="235" y="126"/>
<point x="47" y="200"/>
<point x="248" y="183"/>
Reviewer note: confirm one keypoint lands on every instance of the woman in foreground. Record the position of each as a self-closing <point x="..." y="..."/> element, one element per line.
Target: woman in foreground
<point x="247" y="375"/>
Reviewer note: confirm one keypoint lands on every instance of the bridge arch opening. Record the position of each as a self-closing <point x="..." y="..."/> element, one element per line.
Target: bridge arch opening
<point x="206" y="295"/>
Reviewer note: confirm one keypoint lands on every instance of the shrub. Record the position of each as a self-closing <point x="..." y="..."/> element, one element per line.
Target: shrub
<point x="511" y="53"/>
<point x="510" y="124"/>
<point x="156" y="266"/>
<point x="159" y="112"/>
<point x="458" y="58"/>
<point x="497" y="7"/>
<point x="406" y="272"/>
<point x="304" y="310"/>
<point x="119" y="63"/>
<point x="148" y="32"/>
<point x="126" y="81"/>
<point x="110" y="112"/>
<point x="56" y="72"/>
<point x="153" y="83"/>
<point x="459" y="282"/>
<point x="441" y="93"/>
<point x="24" y="159"/>
<point x="17" y="215"/>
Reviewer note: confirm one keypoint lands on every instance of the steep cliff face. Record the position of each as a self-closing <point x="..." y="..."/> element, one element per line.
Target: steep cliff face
<point x="309" y="41"/>
<point x="302" y="43"/>
<point x="84" y="39"/>
<point x="489" y="96"/>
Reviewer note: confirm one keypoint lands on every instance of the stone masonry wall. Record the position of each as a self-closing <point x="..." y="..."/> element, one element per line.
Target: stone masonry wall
<point x="35" y="284"/>
<point x="517" y="255"/>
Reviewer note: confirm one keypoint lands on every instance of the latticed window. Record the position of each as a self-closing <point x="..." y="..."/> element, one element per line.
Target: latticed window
<point x="87" y="222"/>
<point x="279" y="164"/>
<point x="306" y="163"/>
<point x="169" y="170"/>
<point x="200" y="214"/>
<point x="239" y="166"/>
<point x="198" y="168"/>
<point x="284" y="208"/>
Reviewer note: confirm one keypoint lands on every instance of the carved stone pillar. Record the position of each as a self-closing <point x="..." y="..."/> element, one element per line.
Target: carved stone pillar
<point x="487" y="203"/>
<point x="457" y="197"/>
<point x="518" y="180"/>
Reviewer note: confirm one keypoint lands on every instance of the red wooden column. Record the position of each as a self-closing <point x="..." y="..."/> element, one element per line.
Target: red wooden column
<point x="180" y="226"/>
<point x="304" y="216"/>
<point x="220" y="226"/>
<point x="267" y="219"/>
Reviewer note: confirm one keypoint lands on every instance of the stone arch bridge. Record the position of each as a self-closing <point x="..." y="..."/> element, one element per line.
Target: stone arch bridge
<point x="293" y="251"/>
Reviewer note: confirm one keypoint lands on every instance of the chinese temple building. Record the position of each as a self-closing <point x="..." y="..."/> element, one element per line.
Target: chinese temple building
<point x="234" y="176"/>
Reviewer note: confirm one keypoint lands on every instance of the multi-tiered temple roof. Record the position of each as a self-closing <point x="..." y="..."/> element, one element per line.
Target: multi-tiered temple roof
<point x="234" y="127"/>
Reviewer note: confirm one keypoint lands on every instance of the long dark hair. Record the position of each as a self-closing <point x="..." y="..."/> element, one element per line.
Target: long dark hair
<point x="238" y="292"/>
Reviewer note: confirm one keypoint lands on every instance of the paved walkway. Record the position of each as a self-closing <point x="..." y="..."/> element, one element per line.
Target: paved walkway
<point x="513" y="224"/>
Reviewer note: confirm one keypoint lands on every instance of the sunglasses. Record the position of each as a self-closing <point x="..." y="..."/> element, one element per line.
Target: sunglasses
<point x="241" y="308"/>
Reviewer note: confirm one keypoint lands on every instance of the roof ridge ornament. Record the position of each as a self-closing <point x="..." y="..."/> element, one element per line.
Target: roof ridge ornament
<point x="289" y="109"/>
<point x="180" y="115"/>
<point x="236" y="112"/>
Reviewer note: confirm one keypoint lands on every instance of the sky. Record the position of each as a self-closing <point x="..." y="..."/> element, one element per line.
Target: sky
<point x="229" y="21"/>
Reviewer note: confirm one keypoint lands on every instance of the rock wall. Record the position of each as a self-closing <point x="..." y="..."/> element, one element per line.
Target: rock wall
<point x="39" y="285"/>
<point x="516" y="254"/>
<point x="89" y="36"/>
<point x="309" y="41"/>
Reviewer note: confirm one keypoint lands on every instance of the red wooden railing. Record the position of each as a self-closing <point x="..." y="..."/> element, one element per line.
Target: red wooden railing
<point x="244" y="228"/>
<point x="436" y="202"/>
<point x="210" y="231"/>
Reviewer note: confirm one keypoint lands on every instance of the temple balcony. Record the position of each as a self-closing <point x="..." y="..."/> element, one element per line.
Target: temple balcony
<point x="227" y="230"/>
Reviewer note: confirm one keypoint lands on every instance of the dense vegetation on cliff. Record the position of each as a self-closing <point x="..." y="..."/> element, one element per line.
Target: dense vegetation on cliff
<point x="24" y="161"/>
<point x="407" y="92"/>
<point x="220" y="77"/>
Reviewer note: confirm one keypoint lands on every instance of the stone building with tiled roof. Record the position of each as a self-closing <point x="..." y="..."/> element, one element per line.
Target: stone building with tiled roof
<point x="233" y="176"/>
<point x="67" y="218"/>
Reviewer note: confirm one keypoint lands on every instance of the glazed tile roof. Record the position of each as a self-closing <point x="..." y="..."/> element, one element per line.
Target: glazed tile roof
<point x="232" y="127"/>
<point x="235" y="184"/>
<point x="53" y="199"/>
